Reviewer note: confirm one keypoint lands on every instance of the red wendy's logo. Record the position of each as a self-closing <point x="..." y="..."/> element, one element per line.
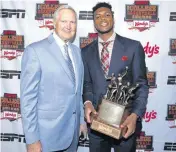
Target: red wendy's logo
<point x="12" y="45"/>
<point x="172" y="50"/>
<point x="151" y="50"/>
<point x="144" y="142"/>
<point x="171" y="115"/>
<point x="150" y="115"/>
<point x="10" y="107"/>
<point x="151" y="77"/>
<point x="141" y="15"/>
<point x="124" y="58"/>
<point x="45" y="11"/>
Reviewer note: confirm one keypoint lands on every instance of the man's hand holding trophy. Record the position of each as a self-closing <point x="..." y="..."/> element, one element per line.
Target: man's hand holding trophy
<point x="112" y="118"/>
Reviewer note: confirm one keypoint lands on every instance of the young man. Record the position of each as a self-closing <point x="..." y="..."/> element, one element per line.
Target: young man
<point x="51" y="88"/>
<point x="102" y="58"/>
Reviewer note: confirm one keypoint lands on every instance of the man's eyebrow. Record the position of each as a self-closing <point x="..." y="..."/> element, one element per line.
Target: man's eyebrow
<point x="102" y="11"/>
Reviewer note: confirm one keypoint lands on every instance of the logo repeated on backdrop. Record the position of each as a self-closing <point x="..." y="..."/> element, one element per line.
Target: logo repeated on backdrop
<point x="171" y="80"/>
<point x="84" y="41"/>
<point x="172" y="16"/>
<point x="85" y="15"/>
<point x="44" y="13"/>
<point x="83" y="142"/>
<point x="11" y="137"/>
<point x="12" y="13"/>
<point x="10" y="74"/>
<point x="150" y="115"/>
<point x="141" y="15"/>
<point x="10" y="107"/>
<point x="12" y="45"/>
<point x="172" y="50"/>
<point x="150" y="50"/>
<point x="151" y="77"/>
<point x="144" y="143"/>
<point x="171" y="115"/>
<point x="170" y="146"/>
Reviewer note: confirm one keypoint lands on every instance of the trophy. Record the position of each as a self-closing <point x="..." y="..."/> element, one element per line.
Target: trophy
<point x="112" y="106"/>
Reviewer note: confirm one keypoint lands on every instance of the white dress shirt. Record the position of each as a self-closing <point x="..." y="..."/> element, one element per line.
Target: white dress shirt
<point x="61" y="44"/>
<point x="109" y="47"/>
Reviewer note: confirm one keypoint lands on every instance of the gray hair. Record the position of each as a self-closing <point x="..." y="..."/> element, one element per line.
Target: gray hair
<point x="61" y="7"/>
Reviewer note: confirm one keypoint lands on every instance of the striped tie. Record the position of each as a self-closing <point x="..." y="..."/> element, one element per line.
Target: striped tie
<point x="105" y="57"/>
<point x="69" y="63"/>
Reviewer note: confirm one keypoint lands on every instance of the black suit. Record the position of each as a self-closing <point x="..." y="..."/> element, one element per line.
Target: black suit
<point x="95" y="83"/>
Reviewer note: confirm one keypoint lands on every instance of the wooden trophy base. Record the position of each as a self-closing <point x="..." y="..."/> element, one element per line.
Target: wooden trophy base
<point x="105" y="128"/>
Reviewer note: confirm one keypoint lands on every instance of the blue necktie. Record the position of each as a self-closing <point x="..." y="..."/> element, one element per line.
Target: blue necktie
<point x="69" y="63"/>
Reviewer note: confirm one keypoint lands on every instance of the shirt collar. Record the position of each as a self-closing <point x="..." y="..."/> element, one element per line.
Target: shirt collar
<point x="112" y="38"/>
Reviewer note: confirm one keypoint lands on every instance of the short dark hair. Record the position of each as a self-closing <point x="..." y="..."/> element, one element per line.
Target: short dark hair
<point x="102" y="4"/>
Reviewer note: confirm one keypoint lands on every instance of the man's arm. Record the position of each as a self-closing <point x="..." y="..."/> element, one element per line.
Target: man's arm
<point x="87" y="85"/>
<point x="140" y="76"/>
<point x="30" y="78"/>
<point x="83" y="126"/>
<point x="81" y="102"/>
<point x="141" y="95"/>
<point x="87" y="91"/>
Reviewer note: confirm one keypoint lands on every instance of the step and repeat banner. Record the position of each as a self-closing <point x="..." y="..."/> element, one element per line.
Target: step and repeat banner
<point x="152" y="22"/>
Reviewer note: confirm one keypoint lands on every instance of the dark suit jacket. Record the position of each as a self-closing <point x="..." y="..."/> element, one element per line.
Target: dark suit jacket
<point x="95" y="83"/>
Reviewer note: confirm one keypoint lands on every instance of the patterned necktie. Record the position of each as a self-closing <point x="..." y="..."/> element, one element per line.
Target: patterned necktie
<point x="69" y="63"/>
<point x="105" y="57"/>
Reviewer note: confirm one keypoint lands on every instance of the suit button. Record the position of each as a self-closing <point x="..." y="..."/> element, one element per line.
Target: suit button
<point x="74" y="112"/>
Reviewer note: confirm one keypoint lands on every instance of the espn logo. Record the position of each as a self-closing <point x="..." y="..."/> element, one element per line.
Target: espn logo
<point x="85" y="15"/>
<point x="171" y="80"/>
<point x="170" y="146"/>
<point x="12" y="137"/>
<point x="9" y="74"/>
<point x="172" y="16"/>
<point x="9" y="13"/>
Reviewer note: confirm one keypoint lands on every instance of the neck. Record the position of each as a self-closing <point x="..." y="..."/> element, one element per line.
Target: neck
<point x="105" y="36"/>
<point x="65" y="41"/>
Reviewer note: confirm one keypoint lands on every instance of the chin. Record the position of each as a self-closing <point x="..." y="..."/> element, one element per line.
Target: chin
<point x="104" y="32"/>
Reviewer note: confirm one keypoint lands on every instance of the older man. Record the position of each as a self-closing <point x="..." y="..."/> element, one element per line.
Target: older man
<point x="51" y="88"/>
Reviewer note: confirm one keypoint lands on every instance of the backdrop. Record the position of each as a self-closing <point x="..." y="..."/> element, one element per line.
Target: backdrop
<point x="151" y="22"/>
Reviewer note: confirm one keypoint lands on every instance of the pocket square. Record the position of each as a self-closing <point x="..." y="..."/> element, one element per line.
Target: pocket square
<point x="124" y="58"/>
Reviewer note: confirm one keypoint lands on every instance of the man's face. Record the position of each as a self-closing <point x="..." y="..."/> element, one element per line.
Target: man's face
<point x="103" y="20"/>
<point x="65" y="25"/>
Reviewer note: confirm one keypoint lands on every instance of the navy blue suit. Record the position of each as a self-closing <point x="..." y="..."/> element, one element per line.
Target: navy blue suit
<point x="95" y="83"/>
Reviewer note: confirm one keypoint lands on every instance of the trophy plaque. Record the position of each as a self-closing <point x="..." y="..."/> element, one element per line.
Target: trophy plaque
<point x="112" y="106"/>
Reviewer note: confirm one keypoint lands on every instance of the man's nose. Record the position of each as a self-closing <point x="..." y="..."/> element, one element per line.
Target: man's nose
<point x="103" y="17"/>
<point x="68" y="25"/>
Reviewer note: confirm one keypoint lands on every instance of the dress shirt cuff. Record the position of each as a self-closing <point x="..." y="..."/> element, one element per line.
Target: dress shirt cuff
<point x="88" y="101"/>
<point x="138" y="113"/>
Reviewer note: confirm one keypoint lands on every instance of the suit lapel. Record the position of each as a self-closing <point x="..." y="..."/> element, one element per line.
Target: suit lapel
<point x="55" y="50"/>
<point x="116" y="58"/>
